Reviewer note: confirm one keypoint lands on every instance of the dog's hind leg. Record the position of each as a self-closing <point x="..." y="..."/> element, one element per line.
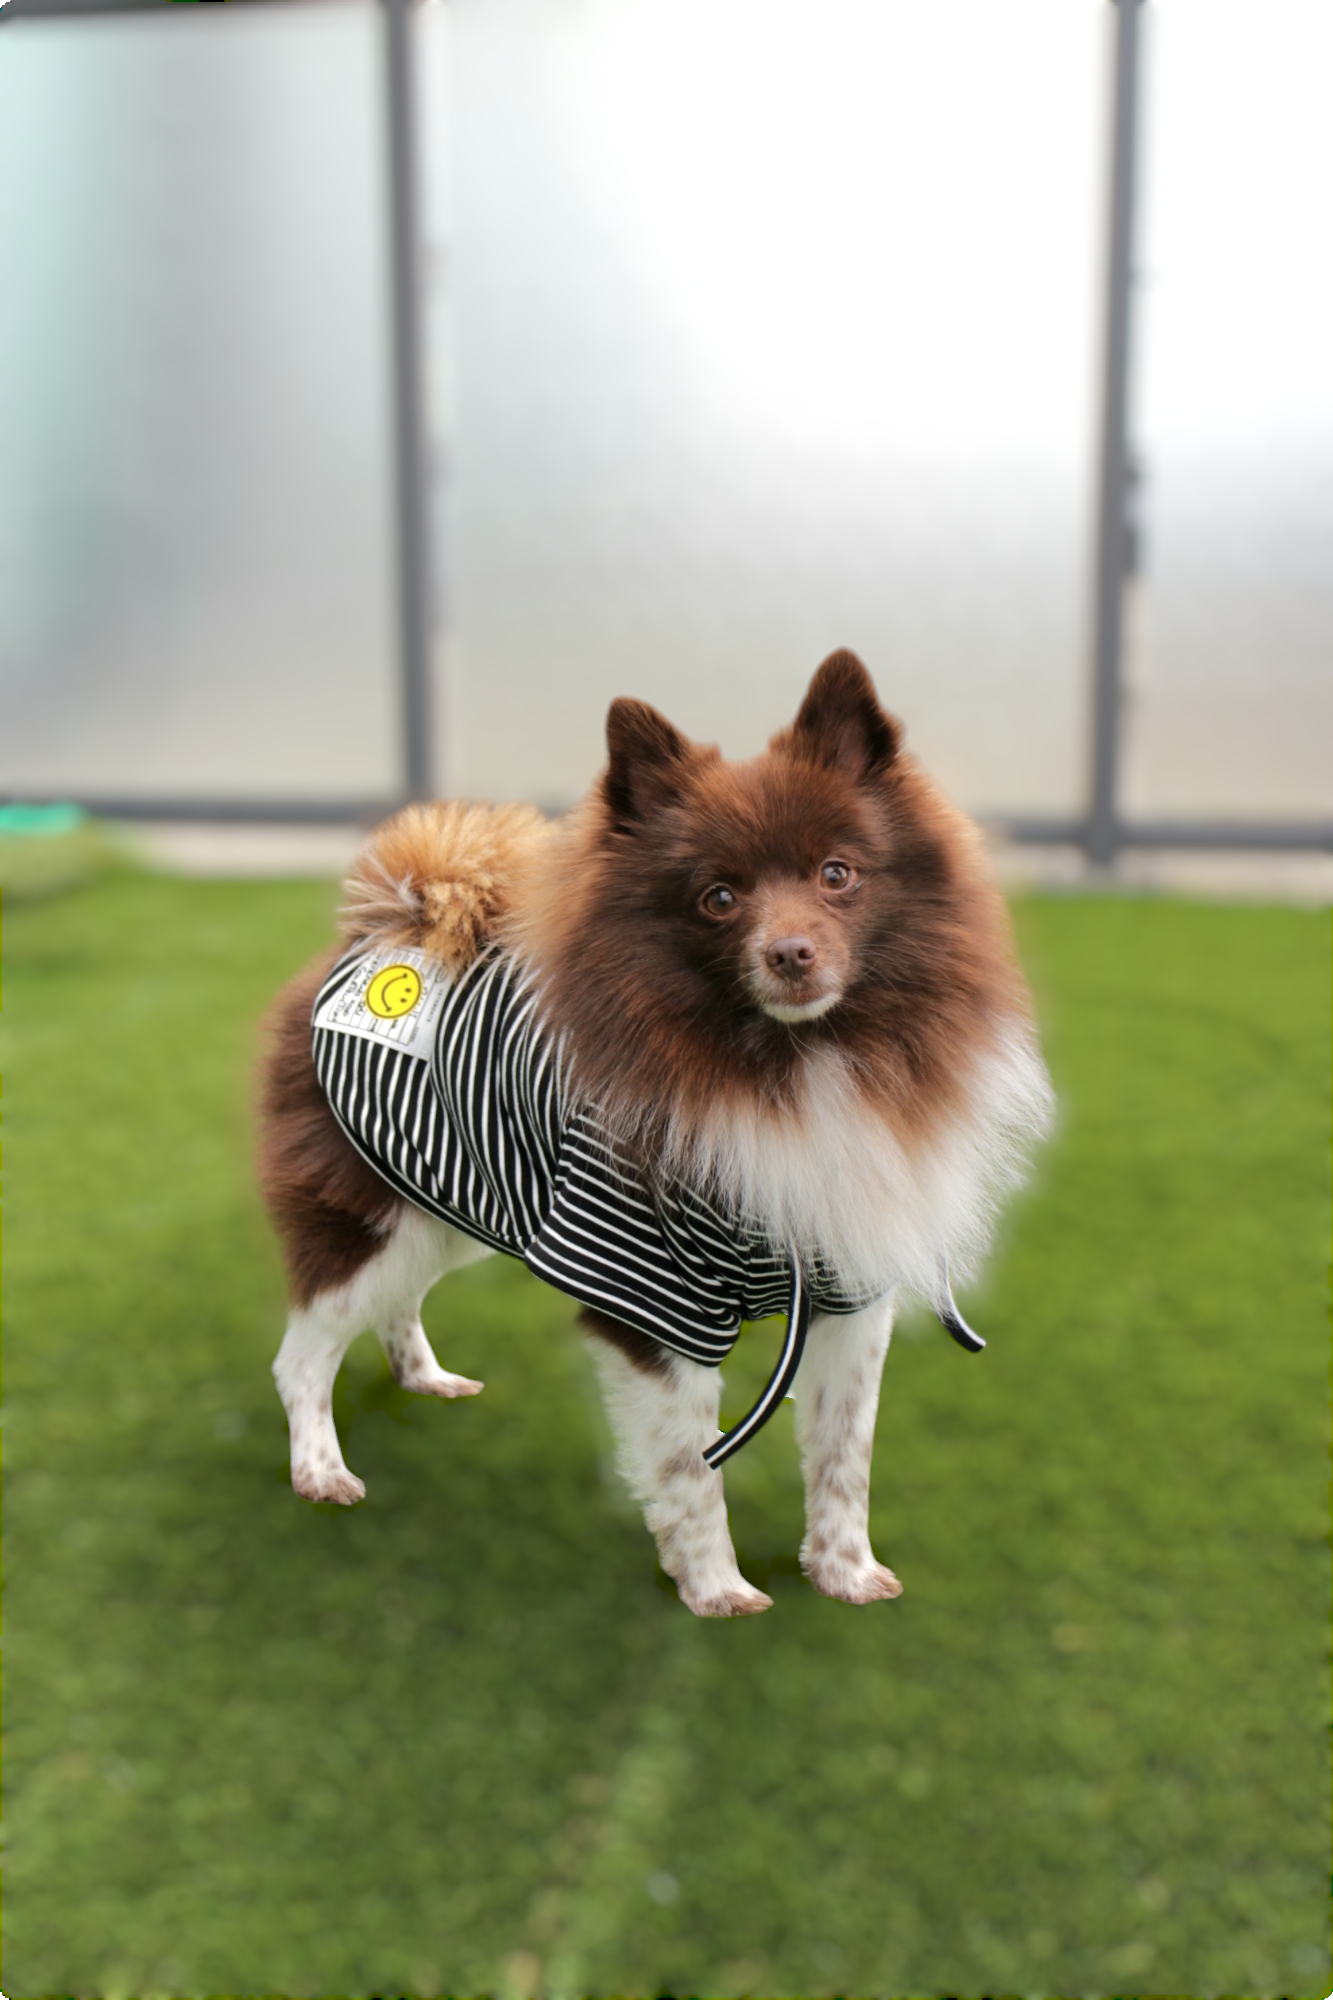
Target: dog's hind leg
<point x="663" y="1411"/>
<point x="383" y="1295"/>
<point x="837" y="1396"/>
<point x="423" y="1251"/>
<point x="318" y="1336"/>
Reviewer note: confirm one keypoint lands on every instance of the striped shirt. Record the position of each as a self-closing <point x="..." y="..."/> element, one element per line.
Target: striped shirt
<point x="457" y="1094"/>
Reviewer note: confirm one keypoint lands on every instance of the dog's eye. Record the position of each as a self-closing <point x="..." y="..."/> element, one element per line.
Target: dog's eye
<point x="836" y="875"/>
<point x="718" y="901"/>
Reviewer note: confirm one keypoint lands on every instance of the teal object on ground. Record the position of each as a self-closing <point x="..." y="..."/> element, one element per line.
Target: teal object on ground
<point x="39" y="822"/>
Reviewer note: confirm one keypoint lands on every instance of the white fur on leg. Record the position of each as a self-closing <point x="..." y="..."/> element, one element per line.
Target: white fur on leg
<point x="384" y="1295"/>
<point x="423" y="1251"/>
<point x="413" y="1364"/>
<point x="662" y="1424"/>
<point x="305" y="1370"/>
<point x="837" y="1397"/>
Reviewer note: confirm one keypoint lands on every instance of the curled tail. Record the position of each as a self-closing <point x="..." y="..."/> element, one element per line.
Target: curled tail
<point x="441" y="877"/>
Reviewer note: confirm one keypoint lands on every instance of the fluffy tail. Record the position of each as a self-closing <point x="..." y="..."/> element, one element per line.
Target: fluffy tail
<point x="441" y="877"/>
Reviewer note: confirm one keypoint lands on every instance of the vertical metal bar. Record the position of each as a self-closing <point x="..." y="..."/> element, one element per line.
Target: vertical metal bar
<point x="411" y="463"/>
<point x="1113" y="526"/>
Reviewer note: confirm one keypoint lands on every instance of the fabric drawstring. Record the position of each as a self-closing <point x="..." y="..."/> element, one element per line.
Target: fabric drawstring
<point x="780" y="1381"/>
<point x="953" y="1322"/>
<point x="798" y="1325"/>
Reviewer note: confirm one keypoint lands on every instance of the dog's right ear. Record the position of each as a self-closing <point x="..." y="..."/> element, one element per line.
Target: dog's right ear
<point x="841" y="723"/>
<point x="648" y="758"/>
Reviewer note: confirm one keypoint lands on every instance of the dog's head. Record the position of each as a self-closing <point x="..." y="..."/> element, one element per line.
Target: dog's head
<point x="714" y="922"/>
<point x="762" y="884"/>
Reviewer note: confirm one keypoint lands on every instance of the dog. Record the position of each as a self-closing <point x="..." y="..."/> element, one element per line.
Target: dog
<point x="727" y="1039"/>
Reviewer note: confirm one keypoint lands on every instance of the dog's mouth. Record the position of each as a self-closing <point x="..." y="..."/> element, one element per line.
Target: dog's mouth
<point x="791" y="1010"/>
<point x="796" y="1004"/>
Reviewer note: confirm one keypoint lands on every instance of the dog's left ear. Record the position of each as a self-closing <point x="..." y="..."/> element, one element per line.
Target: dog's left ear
<point x="648" y="759"/>
<point x="841" y="722"/>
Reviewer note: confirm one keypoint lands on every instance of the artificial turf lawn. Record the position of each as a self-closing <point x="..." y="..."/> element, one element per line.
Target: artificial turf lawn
<point x="463" y="1738"/>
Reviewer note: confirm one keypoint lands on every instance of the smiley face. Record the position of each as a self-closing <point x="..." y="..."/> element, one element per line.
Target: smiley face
<point x="394" y="992"/>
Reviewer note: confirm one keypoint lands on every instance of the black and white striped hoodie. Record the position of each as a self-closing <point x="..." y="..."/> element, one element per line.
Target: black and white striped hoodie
<point x="458" y="1095"/>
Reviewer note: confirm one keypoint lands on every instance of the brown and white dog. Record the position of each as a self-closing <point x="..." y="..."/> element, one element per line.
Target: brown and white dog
<point x="789" y="983"/>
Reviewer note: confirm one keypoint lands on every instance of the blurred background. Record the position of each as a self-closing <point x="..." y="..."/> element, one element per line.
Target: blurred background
<point x="747" y="329"/>
<point x="752" y="328"/>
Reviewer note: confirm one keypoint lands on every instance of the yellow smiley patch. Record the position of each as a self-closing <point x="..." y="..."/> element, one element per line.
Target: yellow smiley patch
<point x="394" y="992"/>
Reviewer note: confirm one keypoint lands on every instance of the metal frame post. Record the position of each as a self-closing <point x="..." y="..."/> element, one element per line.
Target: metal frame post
<point x="412" y="482"/>
<point x="1114" y="527"/>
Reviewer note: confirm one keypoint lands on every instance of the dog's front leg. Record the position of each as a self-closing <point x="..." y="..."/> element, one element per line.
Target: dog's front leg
<point x="837" y="1397"/>
<point x="663" y="1412"/>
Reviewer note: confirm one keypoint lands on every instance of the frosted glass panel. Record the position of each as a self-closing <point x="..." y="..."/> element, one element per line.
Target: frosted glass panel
<point x="1231" y="704"/>
<point x="758" y="327"/>
<point x="195" y="581"/>
<point x="771" y="327"/>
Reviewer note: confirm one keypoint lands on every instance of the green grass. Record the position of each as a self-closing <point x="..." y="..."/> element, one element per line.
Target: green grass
<point x="441" y="1742"/>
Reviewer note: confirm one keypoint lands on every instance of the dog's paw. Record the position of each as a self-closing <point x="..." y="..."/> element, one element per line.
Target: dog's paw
<point x="324" y="1483"/>
<point x="738" y="1600"/>
<point x="442" y="1383"/>
<point x="854" y="1583"/>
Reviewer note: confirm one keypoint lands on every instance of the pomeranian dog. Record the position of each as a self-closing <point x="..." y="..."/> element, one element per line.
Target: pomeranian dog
<point x="727" y="1040"/>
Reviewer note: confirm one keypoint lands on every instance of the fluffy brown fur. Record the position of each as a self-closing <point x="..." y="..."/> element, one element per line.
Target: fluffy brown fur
<point x="442" y="877"/>
<point x="657" y="995"/>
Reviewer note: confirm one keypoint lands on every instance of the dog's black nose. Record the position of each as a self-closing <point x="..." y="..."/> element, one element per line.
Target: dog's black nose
<point x="791" y="957"/>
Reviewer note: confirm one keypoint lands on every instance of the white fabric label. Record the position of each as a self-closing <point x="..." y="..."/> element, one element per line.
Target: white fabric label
<point x="391" y="996"/>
